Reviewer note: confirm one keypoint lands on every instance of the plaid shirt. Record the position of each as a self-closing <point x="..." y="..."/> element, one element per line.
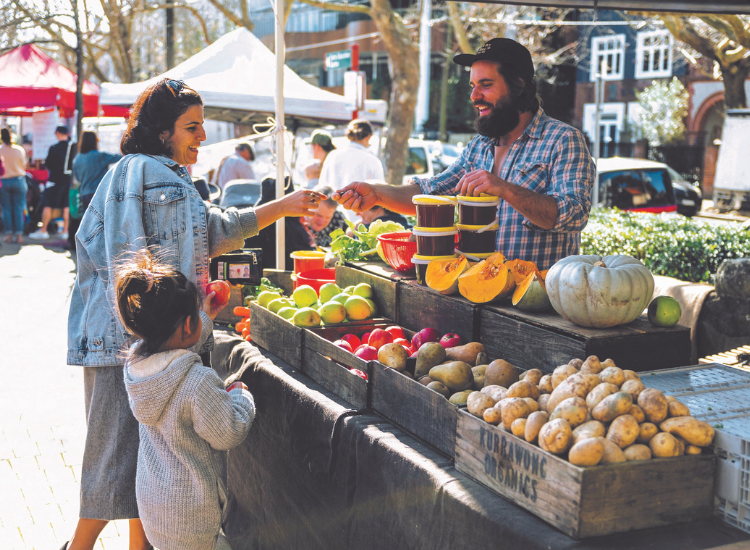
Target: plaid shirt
<point x="550" y="158"/>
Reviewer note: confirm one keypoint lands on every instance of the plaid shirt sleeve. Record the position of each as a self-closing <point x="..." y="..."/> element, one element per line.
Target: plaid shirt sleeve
<point x="445" y="182"/>
<point x="571" y="177"/>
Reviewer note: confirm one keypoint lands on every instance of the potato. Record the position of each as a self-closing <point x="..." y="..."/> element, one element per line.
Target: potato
<point x="478" y="402"/>
<point x="495" y="392"/>
<point x="533" y="376"/>
<point x="556" y="436"/>
<point x="647" y="431"/>
<point x="532" y="403"/>
<point x="682" y="445"/>
<point x="523" y="389"/>
<point x="493" y="415"/>
<point x="587" y="452"/>
<point x="675" y="408"/>
<point x="694" y="431"/>
<point x="612" y="375"/>
<point x="637" y="413"/>
<point x="664" y="445"/>
<point x="633" y="387"/>
<point x="576" y="363"/>
<point x="592" y="428"/>
<point x="514" y="407"/>
<point x="624" y="430"/>
<point x="612" y="452"/>
<point x="577" y="385"/>
<point x="631" y="375"/>
<point x="591" y="365"/>
<point x="692" y="450"/>
<point x="393" y="356"/>
<point x="613" y="406"/>
<point x="440" y="388"/>
<point x="518" y="428"/>
<point x="500" y="373"/>
<point x="601" y="391"/>
<point x="543" y="401"/>
<point x="608" y="363"/>
<point x="545" y="384"/>
<point x="478" y="373"/>
<point x="654" y="405"/>
<point x="534" y="423"/>
<point x="561" y="373"/>
<point x="637" y="452"/>
<point x="572" y="409"/>
<point x="424" y="380"/>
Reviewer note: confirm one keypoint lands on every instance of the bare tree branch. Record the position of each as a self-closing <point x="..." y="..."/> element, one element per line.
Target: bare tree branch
<point x="459" y="28"/>
<point x="195" y="12"/>
<point x="229" y="14"/>
<point x="351" y="8"/>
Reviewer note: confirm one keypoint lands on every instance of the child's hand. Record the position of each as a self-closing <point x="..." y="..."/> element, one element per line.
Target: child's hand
<point x="212" y="309"/>
<point x="235" y="385"/>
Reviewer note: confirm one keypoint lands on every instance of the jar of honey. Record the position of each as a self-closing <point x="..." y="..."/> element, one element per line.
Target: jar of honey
<point x="477" y="210"/>
<point x="435" y="210"/>
<point x="477" y="238"/>
<point x="435" y="241"/>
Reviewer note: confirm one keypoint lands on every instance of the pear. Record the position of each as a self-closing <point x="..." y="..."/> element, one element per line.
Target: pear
<point x="429" y="355"/>
<point x="455" y="375"/>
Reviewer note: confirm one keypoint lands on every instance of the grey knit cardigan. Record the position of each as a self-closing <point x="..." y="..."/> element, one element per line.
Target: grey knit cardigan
<point x="187" y="423"/>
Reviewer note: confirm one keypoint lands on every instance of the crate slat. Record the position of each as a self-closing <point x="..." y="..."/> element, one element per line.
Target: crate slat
<point x="336" y="378"/>
<point x="276" y="334"/>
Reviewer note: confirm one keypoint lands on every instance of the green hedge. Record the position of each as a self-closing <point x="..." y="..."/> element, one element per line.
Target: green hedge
<point x="675" y="246"/>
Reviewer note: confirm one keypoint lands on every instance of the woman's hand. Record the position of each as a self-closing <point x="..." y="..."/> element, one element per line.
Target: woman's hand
<point x="212" y="310"/>
<point x="301" y="203"/>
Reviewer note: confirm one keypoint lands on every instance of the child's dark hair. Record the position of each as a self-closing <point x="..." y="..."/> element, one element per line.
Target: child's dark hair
<point x="153" y="299"/>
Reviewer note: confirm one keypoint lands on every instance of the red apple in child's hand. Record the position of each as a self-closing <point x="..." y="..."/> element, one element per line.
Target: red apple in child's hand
<point x="222" y="290"/>
<point x="396" y="332"/>
<point x="343" y="344"/>
<point x="378" y="338"/>
<point x="366" y="353"/>
<point x="352" y="340"/>
<point x="450" y="340"/>
<point x="235" y="385"/>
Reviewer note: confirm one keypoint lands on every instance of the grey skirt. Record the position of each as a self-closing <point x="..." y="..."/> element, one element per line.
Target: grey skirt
<point x="110" y="457"/>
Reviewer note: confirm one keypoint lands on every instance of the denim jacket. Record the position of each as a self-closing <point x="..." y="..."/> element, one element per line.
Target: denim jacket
<point x="144" y="200"/>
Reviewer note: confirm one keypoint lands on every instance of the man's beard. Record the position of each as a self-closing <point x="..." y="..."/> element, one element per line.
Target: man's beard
<point x="503" y="117"/>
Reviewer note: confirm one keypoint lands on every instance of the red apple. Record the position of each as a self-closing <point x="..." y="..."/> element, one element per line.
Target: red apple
<point x="352" y="340"/>
<point x="407" y="348"/>
<point x="396" y="332"/>
<point x="358" y="373"/>
<point x="425" y="335"/>
<point x="402" y="341"/>
<point x="365" y="338"/>
<point x="366" y="353"/>
<point x="343" y="344"/>
<point x="451" y="340"/>
<point x="413" y="353"/>
<point x="378" y="338"/>
<point x="222" y="290"/>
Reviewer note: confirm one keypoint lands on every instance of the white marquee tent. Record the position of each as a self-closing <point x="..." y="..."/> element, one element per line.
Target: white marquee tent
<point x="236" y="77"/>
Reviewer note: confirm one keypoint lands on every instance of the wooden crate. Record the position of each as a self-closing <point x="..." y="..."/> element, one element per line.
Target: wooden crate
<point x="419" y="410"/>
<point x="384" y="289"/>
<point x="421" y="307"/>
<point x="381" y="269"/>
<point x="281" y="279"/>
<point x="276" y="334"/>
<point x="546" y="340"/>
<point x="585" y="502"/>
<point x="327" y="364"/>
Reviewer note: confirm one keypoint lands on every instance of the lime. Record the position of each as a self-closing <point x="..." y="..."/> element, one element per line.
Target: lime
<point x="664" y="311"/>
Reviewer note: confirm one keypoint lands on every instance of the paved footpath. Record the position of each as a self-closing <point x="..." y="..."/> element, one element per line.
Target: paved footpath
<point x="42" y="422"/>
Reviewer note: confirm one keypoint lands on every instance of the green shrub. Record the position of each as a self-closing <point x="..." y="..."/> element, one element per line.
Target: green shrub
<point x="674" y="246"/>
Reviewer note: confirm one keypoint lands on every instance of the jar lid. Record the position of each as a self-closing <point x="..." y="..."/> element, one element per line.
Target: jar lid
<point x="307" y="255"/>
<point x="482" y="200"/>
<point x="476" y="256"/>
<point x="433" y="199"/>
<point x="434" y="231"/>
<point x="422" y="260"/>
<point x="490" y="227"/>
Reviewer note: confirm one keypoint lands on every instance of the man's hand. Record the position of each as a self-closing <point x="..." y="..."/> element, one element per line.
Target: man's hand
<point x="358" y="196"/>
<point x="480" y="181"/>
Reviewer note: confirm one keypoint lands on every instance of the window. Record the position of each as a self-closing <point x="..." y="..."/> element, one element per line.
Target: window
<point x="417" y="161"/>
<point x="611" y="120"/>
<point x="634" y="189"/>
<point x="653" y="58"/>
<point x="608" y="55"/>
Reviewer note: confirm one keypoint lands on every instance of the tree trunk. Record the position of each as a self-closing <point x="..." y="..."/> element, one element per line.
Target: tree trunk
<point x="734" y="77"/>
<point x="403" y="66"/>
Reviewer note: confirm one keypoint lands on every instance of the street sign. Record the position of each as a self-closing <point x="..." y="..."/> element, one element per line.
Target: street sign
<point x="339" y="60"/>
<point x="355" y="90"/>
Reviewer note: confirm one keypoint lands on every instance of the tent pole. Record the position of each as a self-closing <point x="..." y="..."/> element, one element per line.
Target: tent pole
<point x="279" y="103"/>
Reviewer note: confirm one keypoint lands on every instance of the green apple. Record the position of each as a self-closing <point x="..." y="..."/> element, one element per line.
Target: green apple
<point x="373" y="308"/>
<point x="349" y="290"/>
<point x="266" y="296"/>
<point x="364" y="290"/>
<point x="357" y="308"/>
<point x="341" y="298"/>
<point x="328" y="291"/>
<point x="275" y="305"/>
<point x="332" y="313"/>
<point x="664" y="311"/>
<point x="287" y="312"/>
<point x="304" y="296"/>
<point x="306" y="317"/>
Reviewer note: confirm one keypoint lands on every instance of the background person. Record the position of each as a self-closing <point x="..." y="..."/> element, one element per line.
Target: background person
<point x="56" y="192"/>
<point x="236" y="166"/>
<point x="327" y="218"/>
<point x="147" y="199"/>
<point x="380" y="213"/>
<point x="13" y="190"/>
<point x="322" y="144"/>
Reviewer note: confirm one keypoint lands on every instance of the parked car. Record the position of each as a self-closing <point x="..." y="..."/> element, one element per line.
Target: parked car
<point x="637" y="185"/>
<point x="688" y="196"/>
<point x="443" y="155"/>
<point x="419" y="162"/>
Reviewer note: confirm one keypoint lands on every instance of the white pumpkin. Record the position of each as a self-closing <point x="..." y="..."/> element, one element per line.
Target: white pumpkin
<point x="601" y="292"/>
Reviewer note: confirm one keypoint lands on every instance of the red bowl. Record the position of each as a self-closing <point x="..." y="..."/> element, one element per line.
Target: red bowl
<point x="316" y="278"/>
<point x="398" y="250"/>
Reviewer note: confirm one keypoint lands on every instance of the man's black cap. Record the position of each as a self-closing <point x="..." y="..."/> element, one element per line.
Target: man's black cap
<point x="501" y="50"/>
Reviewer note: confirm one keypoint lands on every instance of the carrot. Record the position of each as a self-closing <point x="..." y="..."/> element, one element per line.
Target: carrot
<point x="241" y="311"/>
<point x="239" y="327"/>
<point x="245" y="332"/>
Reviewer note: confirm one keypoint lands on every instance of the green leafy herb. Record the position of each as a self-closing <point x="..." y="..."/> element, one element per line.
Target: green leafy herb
<point x="364" y="244"/>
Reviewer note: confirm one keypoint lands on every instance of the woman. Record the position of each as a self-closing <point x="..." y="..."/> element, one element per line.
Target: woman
<point x="147" y="199"/>
<point x="322" y="144"/>
<point x="13" y="190"/>
<point x="90" y="165"/>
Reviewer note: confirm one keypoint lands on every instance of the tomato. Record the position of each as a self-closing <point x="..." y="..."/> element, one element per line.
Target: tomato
<point x="222" y="290"/>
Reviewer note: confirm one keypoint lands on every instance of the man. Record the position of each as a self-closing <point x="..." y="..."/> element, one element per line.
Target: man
<point x="237" y="165"/>
<point x="380" y="213"/>
<point x="59" y="164"/>
<point x="538" y="166"/>
<point x="326" y="218"/>
<point x="322" y="144"/>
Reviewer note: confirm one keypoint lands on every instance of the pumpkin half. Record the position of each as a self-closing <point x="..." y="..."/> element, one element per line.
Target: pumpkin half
<point x="530" y="295"/>
<point x="490" y="279"/>
<point x="601" y="292"/>
<point x="442" y="275"/>
<point x="521" y="269"/>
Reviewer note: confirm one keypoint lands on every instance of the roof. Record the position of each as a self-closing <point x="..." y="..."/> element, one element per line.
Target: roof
<point x="620" y="163"/>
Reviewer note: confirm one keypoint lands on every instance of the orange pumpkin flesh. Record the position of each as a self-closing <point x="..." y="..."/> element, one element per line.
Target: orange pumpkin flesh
<point x="442" y="275"/>
<point x="490" y="279"/>
<point x="521" y="269"/>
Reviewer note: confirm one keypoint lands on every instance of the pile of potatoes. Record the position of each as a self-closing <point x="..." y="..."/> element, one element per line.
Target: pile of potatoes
<point x="590" y="411"/>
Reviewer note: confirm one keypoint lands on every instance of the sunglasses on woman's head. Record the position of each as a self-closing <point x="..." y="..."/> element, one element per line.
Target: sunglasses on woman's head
<point x="176" y="86"/>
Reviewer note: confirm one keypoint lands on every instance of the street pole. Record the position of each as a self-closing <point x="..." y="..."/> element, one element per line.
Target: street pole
<point x="355" y="68"/>
<point x="170" y="33"/>
<point x="597" y="131"/>
<point x="425" y="45"/>
<point x="280" y="133"/>
<point x="79" y="72"/>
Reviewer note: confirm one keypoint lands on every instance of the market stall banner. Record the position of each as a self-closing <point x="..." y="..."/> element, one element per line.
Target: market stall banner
<point x="685" y="6"/>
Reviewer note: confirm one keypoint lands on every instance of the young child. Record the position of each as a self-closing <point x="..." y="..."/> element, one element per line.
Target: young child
<point x="187" y="419"/>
